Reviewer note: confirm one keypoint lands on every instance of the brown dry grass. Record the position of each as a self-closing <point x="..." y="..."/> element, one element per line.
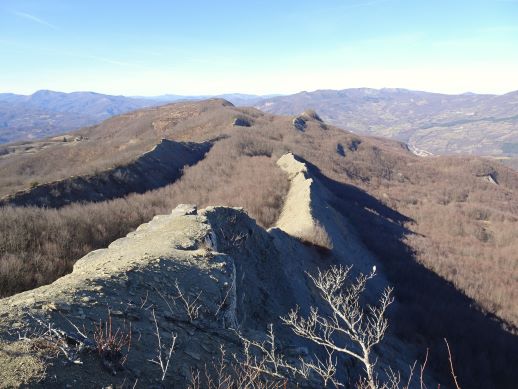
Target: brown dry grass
<point x="116" y="141"/>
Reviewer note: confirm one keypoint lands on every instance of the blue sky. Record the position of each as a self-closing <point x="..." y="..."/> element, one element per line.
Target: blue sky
<point x="281" y="46"/>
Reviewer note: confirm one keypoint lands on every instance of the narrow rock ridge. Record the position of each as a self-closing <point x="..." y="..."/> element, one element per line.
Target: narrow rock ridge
<point x="297" y="217"/>
<point x="236" y="272"/>
<point x="153" y="169"/>
<point x="308" y="215"/>
<point x="169" y="248"/>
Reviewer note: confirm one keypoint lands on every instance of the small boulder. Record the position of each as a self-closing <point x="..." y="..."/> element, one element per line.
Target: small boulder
<point x="185" y="209"/>
<point x="353" y="145"/>
<point x="242" y="122"/>
<point x="299" y="123"/>
<point x="340" y="149"/>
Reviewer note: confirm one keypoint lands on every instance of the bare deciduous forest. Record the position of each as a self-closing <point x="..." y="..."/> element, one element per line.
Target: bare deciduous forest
<point x="464" y="226"/>
<point x="455" y="215"/>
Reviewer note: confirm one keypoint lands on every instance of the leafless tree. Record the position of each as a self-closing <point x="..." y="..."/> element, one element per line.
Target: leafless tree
<point x="362" y="326"/>
<point x="450" y="359"/>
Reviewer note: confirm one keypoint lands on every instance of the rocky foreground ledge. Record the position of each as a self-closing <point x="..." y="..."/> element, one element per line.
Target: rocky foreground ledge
<point x="133" y="279"/>
<point x="196" y="275"/>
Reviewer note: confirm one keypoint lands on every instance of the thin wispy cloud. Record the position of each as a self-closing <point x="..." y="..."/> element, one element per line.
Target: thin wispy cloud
<point x="58" y="53"/>
<point x="35" y="19"/>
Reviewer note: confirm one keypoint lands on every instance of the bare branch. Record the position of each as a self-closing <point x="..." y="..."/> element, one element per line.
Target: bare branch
<point x="160" y="359"/>
<point x="451" y="365"/>
<point x="191" y="307"/>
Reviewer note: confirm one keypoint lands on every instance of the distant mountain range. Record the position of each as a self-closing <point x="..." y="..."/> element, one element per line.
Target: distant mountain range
<point x="433" y="123"/>
<point x="238" y="99"/>
<point x="47" y="113"/>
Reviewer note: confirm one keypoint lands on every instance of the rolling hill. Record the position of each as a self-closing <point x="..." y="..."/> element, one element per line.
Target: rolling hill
<point x="430" y="123"/>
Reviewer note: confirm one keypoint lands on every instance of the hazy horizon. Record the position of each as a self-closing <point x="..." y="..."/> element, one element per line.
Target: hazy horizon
<point x="247" y="94"/>
<point x="210" y="48"/>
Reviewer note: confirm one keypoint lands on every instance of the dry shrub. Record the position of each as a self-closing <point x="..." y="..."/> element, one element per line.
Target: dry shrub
<point x="39" y="245"/>
<point x="113" y="345"/>
<point x="234" y="374"/>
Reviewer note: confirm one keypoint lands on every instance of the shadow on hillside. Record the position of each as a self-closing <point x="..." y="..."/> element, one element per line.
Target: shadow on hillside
<point x="151" y="170"/>
<point x="430" y="309"/>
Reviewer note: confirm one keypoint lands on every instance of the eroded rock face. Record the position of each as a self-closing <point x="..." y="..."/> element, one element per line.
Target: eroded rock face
<point x="297" y="217"/>
<point x="227" y="267"/>
<point x="154" y="169"/>
<point x="299" y="123"/>
<point x="134" y="277"/>
<point x="308" y="215"/>
<point x="241" y="122"/>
